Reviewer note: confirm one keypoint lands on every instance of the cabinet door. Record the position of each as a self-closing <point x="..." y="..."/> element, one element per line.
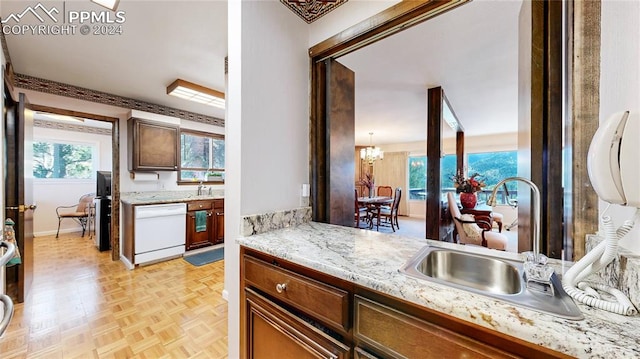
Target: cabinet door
<point x="218" y="219"/>
<point x="152" y="145"/>
<point x="197" y="239"/>
<point x="272" y="332"/>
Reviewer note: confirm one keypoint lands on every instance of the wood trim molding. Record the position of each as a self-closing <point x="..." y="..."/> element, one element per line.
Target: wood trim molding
<point x="584" y="120"/>
<point x="388" y="22"/>
<point x="62" y="89"/>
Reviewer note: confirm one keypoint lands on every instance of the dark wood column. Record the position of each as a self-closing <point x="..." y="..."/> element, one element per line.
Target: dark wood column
<point x="434" y="151"/>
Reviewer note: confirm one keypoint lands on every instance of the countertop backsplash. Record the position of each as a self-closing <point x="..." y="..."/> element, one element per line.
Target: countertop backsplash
<point x="623" y="273"/>
<point x="265" y="222"/>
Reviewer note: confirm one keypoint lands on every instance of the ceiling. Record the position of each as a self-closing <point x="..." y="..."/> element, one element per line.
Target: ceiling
<point x="161" y="41"/>
<point x="470" y="51"/>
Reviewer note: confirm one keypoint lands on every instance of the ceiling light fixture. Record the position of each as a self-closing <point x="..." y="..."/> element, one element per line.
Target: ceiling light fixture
<point x="109" y="4"/>
<point x="194" y="92"/>
<point x="371" y="153"/>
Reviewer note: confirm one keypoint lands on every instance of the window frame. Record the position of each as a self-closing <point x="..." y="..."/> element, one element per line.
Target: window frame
<point x="211" y="136"/>
<point x="95" y="159"/>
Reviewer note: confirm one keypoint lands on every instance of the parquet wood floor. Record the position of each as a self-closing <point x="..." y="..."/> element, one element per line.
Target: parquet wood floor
<point x="84" y="305"/>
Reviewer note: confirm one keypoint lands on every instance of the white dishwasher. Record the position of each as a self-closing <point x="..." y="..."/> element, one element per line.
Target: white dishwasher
<point x="159" y="231"/>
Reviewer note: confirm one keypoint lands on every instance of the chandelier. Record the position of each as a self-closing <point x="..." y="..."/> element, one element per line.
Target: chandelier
<point x="371" y="153"/>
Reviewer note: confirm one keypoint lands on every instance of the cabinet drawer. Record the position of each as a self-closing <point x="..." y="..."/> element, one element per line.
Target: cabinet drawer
<point x="325" y="303"/>
<point x="398" y="335"/>
<point x="198" y="205"/>
<point x="273" y="332"/>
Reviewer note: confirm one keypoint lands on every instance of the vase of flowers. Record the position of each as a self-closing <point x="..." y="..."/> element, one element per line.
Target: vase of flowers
<point x="467" y="187"/>
<point x="367" y="181"/>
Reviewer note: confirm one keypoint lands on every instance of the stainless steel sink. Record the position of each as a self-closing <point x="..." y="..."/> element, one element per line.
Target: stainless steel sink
<point x="491" y="276"/>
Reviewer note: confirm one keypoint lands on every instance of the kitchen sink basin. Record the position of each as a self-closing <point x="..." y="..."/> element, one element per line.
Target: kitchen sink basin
<point x="478" y="272"/>
<point x="491" y="276"/>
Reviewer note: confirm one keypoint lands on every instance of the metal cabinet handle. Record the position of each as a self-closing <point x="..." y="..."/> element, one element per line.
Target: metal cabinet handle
<point x="8" y="312"/>
<point x="281" y="287"/>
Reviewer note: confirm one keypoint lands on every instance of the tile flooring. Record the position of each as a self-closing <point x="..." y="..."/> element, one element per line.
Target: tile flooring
<point x="84" y="305"/>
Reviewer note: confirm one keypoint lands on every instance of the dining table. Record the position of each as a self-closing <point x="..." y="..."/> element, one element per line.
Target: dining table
<point x="375" y="203"/>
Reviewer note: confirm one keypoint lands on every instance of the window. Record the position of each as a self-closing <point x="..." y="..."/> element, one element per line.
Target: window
<point x="63" y="160"/>
<point x="418" y="177"/>
<point x="201" y="154"/>
<point x="493" y="166"/>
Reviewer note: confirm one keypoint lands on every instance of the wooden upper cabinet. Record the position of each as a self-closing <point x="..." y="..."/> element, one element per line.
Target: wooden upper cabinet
<point x="152" y="146"/>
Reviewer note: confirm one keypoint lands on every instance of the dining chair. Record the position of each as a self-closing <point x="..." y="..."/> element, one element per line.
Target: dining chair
<point x="385" y="191"/>
<point x="469" y="230"/>
<point x="390" y="214"/>
<point x="80" y="212"/>
<point x="360" y="211"/>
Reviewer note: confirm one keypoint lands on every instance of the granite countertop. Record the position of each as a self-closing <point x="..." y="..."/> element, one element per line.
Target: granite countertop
<point x="161" y="197"/>
<point x="373" y="260"/>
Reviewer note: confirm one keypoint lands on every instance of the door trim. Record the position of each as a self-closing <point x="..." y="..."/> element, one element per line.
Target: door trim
<point x="115" y="167"/>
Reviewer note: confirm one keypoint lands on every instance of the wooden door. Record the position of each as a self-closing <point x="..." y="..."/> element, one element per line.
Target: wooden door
<point x="19" y="199"/>
<point x="333" y="166"/>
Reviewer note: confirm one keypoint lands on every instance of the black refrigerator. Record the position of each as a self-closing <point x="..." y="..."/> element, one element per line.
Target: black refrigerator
<point x="103" y="223"/>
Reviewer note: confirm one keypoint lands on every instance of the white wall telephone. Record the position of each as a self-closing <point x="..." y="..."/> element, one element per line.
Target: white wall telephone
<point x="613" y="161"/>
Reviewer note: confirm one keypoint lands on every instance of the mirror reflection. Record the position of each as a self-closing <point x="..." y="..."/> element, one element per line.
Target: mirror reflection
<point x="472" y="53"/>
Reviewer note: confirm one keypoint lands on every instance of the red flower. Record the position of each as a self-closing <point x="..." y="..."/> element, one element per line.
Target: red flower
<point x="467" y="185"/>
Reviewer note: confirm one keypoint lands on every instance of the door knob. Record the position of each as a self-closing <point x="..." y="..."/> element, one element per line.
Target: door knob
<point x="21" y="208"/>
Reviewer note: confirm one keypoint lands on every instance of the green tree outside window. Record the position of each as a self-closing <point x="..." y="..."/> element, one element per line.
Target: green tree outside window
<point x="62" y="160"/>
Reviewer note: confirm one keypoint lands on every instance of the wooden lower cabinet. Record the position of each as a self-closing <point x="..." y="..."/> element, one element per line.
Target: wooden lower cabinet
<point x="291" y="311"/>
<point x="213" y="232"/>
<point x="273" y="332"/>
<point x="218" y="219"/>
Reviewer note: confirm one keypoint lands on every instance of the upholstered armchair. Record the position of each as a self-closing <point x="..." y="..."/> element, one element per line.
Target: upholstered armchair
<point x="469" y="230"/>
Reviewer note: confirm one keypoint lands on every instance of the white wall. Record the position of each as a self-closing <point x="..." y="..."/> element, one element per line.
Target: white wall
<point x="50" y="194"/>
<point x="267" y="125"/>
<point x="620" y="83"/>
<point x="475" y="144"/>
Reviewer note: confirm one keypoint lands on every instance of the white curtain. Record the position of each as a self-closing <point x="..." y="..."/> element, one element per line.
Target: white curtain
<point x="392" y="171"/>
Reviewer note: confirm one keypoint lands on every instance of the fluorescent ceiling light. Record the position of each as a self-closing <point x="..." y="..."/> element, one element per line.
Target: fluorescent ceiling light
<point x="109" y="4"/>
<point x="194" y="92"/>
